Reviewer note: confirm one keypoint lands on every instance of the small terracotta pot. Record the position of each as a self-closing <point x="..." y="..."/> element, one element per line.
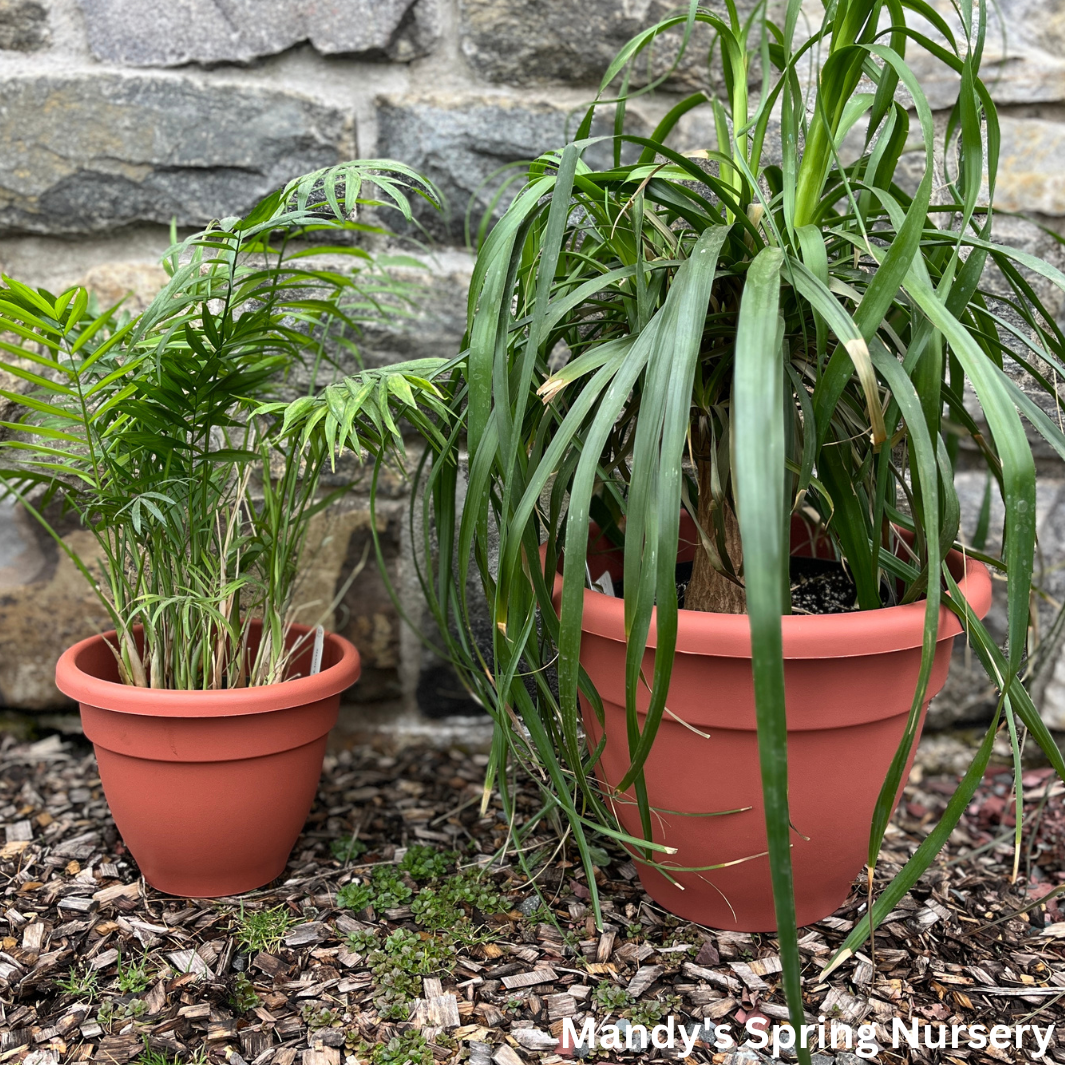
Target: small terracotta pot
<point x="850" y="681"/>
<point x="209" y="789"/>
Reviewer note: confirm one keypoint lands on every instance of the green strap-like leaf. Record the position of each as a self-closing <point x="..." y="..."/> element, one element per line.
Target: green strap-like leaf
<point x="759" y="470"/>
<point x="927" y="484"/>
<point x="653" y="526"/>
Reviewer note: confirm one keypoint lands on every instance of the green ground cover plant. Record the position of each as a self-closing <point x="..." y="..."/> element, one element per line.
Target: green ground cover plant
<point x="347" y="850"/>
<point x="443" y="901"/>
<point x="398" y="964"/>
<point x="244" y="996"/>
<point x="407" y="1047"/>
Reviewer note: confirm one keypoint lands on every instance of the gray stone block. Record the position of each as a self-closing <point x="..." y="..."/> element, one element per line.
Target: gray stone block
<point x="968" y="696"/>
<point x="366" y="614"/>
<point x="45" y="606"/>
<point x="23" y="26"/>
<point x="525" y="42"/>
<point x="238" y="31"/>
<point x="1023" y="59"/>
<point x="459" y="140"/>
<point x="1031" y="66"/>
<point x="433" y="324"/>
<point x="1032" y="160"/>
<point x="462" y="141"/>
<point x="522" y="42"/>
<point x="91" y="152"/>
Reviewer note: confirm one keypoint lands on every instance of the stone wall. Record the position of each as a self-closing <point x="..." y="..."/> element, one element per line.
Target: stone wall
<point x="118" y="116"/>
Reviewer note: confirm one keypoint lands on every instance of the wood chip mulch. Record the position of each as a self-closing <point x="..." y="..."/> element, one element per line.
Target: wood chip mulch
<point x="97" y="966"/>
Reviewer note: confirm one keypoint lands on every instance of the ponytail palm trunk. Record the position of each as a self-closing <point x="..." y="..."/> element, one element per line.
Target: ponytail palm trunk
<point x="789" y="339"/>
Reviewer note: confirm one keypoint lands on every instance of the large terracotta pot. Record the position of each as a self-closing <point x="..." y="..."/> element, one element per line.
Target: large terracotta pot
<point x="209" y="789"/>
<point x="850" y="681"/>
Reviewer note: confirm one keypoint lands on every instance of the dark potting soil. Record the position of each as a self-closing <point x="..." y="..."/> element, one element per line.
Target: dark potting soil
<point x="818" y="586"/>
<point x="821" y="586"/>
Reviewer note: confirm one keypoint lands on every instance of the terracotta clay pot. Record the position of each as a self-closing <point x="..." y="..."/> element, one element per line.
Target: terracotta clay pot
<point x="209" y="789"/>
<point x="850" y="681"/>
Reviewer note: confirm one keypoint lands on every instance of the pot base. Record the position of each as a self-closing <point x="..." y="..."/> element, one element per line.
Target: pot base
<point x="835" y="777"/>
<point x="209" y="789"/>
<point x="712" y="910"/>
<point x="211" y="829"/>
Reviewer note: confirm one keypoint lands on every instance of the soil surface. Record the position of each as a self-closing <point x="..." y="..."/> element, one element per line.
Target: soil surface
<point x="821" y="586"/>
<point x="818" y="586"/>
<point x="456" y="958"/>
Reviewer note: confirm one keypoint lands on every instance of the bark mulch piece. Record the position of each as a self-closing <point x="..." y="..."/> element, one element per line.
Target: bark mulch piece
<point x="96" y="966"/>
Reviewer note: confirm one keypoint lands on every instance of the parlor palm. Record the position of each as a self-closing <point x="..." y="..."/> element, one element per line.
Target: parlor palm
<point x="165" y="432"/>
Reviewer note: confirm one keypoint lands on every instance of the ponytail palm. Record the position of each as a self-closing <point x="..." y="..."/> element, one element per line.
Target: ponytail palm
<point x="715" y="332"/>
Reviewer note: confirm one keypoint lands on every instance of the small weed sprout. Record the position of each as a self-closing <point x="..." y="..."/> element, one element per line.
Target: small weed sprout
<point x="424" y="863"/>
<point x="684" y="937"/>
<point x="111" y="1011"/>
<point x="390" y="890"/>
<point x="355" y="896"/>
<point x="148" y="1056"/>
<point x="347" y="850"/>
<point x="262" y="930"/>
<point x="419" y="953"/>
<point x="433" y="909"/>
<point x="445" y="905"/>
<point x="362" y="941"/>
<point x="650" y="1011"/>
<point x="535" y="914"/>
<point x="244" y="996"/>
<point x="395" y="989"/>
<point x="81" y="985"/>
<point x="612" y="999"/>
<point x="317" y="1016"/>
<point x="385" y="890"/>
<point x="133" y="975"/>
<point x="572" y="942"/>
<point x="397" y="965"/>
<point x="617" y="1001"/>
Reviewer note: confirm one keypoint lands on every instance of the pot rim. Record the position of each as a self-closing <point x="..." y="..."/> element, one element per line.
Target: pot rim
<point x="82" y="686"/>
<point x="805" y="636"/>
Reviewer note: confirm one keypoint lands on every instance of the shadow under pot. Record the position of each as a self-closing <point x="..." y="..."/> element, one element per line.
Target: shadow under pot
<point x="850" y="679"/>
<point x="209" y="789"/>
